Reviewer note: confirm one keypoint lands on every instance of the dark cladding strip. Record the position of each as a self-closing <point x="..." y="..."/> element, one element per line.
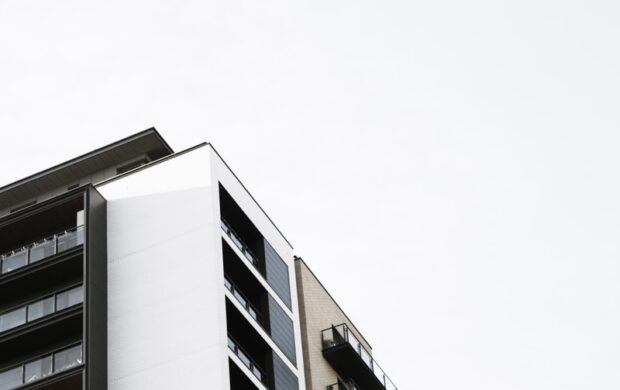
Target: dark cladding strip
<point x="283" y="377"/>
<point x="277" y="274"/>
<point x="282" y="331"/>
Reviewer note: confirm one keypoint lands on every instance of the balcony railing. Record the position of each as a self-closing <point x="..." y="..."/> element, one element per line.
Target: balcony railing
<point x="348" y="385"/>
<point x="41" y="367"/>
<point x="340" y="334"/>
<point x="251" y="257"/>
<point x="244" y="301"/>
<point x="41" y="249"/>
<point x="40" y="308"/>
<point x="246" y="360"/>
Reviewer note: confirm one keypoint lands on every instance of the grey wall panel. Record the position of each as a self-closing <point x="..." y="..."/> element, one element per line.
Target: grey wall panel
<point x="96" y="278"/>
<point x="284" y="379"/>
<point x="282" y="332"/>
<point x="277" y="274"/>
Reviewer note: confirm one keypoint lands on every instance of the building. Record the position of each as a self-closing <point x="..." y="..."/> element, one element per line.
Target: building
<point x="134" y="267"/>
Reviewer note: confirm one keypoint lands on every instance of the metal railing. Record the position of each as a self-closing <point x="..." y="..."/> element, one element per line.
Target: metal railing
<point x="41" y="249"/>
<point x="41" y="367"/>
<point x="341" y="334"/>
<point x="42" y="307"/>
<point x="247" y="360"/>
<point x="244" y="301"/>
<point x="251" y="257"/>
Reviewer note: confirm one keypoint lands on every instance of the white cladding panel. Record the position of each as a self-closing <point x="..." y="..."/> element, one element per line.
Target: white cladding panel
<point x="166" y="312"/>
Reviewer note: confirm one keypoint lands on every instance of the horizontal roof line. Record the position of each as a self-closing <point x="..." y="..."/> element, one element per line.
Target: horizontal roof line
<point x="93" y="153"/>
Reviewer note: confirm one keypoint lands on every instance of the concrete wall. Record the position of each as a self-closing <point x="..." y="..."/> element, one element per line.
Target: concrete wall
<point x="166" y="313"/>
<point x="166" y="294"/>
<point x="318" y="311"/>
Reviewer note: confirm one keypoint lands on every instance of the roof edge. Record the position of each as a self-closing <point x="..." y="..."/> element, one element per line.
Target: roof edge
<point x="250" y="194"/>
<point x="150" y="130"/>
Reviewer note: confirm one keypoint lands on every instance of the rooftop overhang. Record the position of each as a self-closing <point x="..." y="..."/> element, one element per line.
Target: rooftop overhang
<point x="147" y="142"/>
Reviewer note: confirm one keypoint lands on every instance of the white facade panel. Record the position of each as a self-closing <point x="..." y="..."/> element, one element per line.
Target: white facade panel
<point x="166" y="307"/>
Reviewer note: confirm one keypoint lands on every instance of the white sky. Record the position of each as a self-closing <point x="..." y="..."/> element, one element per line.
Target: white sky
<point x="449" y="169"/>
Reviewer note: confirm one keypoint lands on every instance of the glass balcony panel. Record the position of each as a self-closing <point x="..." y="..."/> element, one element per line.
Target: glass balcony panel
<point x="11" y="379"/>
<point x="68" y="358"/>
<point x="354" y="341"/>
<point x="14" y="261"/>
<point x="232" y="345"/>
<point x="240" y="298"/>
<point x="12" y="319"/>
<point x="70" y="239"/>
<point x="252" y="313"/>
<point x="367" y="359"/>
<point x="228" y="284"/>
<point x="244" y="358"/>
<point x="249" y="256"/>
<point x="40" y="309"/>
<point x="38" y="369"/>
<point x="379" y="373"/>
<point x="43" y="249"/>
<point x="69" y="298"/>
<point x="329" y="339"/>
<point x="237" y="241"/>
<point x="257" y="373"/>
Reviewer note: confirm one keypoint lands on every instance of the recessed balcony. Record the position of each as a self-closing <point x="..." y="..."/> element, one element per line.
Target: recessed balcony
<point x="351" y="360"/>
<point x="244" y="301"/>
<point x="41" y="367"/>
<point x="238" y="241"/>
<point x="41" y="308"/>
<point x="41" y="249"/>
<point x="246" y="359"/>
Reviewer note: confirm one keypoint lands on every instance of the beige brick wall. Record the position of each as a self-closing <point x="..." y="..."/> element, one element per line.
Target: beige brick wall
<point x="318" y="311"/>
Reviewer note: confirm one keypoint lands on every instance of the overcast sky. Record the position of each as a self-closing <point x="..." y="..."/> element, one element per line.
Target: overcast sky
<point x="448" y="169"/>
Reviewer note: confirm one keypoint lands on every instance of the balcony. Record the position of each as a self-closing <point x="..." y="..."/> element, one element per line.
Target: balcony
<point x="351" y="360"/>
<point x="40" y="308"/>
<point x="246" y="360"/>
<point x="254" y="247"/>
<point x="249" y="256"/>
<point x="41" y="249"/>
<point x="41" y="367"/>
<point x="245" y="302"/>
